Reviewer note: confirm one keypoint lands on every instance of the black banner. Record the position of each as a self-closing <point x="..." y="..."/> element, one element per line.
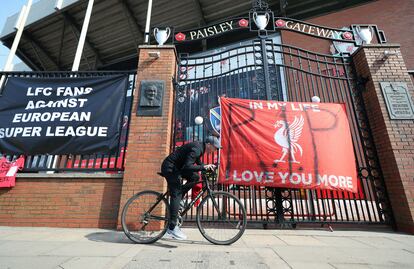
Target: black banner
<point x="61" y="115"/>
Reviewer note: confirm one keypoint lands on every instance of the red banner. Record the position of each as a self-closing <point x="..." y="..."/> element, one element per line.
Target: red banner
<point x="8" y="171"/>
<point x="285" y="144"/>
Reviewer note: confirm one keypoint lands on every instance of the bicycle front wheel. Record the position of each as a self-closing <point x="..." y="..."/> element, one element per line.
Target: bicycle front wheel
<point x="221" y="218"/>
<point x="145" y="217"/>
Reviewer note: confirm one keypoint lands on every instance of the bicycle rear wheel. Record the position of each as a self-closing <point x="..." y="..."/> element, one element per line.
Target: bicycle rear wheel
<point x="145" y="217"/>
<point x="221" y="218"/>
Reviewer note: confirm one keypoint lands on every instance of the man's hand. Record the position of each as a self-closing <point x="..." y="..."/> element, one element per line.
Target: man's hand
<point x="209" y="167"/>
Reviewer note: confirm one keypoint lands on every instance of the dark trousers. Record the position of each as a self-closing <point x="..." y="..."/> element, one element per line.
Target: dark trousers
<point x="177" y="193"/>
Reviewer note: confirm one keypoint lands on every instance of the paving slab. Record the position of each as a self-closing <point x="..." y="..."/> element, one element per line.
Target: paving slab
<point x="308" y="254"/>
<point x="262" y="240"/>
<point x="126" y="257"/>
<point x="311" y="265"/>
<point x="380" y="242"/>
<point x="89" y="249"/>
<point x="297" y="240"/>
<point x="63" y="237"/>
<point x="4" y="233"/>
<point x="86" y="262"/>
<point x="271" y="259"/>
<point x="369" y="266"/>
<point x="40" y="262"/>
<point x="27" y="248"/>
<point x="351" y="265"/>
<point x="391" y="257"/>
<point x="27" y="236"/>
<point x="338" y="241"/>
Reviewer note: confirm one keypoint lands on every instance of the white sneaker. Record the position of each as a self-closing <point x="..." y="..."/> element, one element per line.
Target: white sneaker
<point x="176" y="233"/>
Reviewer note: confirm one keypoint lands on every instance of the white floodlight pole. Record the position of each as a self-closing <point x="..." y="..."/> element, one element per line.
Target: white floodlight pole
<point x="82" y="37"/>
<point x="78" y="55"/>
<point x="21" y="22"/>
<point x="58" y="4"/>
<point x="22" y="15"/>
<point x="147" y="25"/>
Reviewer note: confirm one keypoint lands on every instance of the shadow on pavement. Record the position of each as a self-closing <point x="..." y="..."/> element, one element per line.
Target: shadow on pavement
<point x="121" y="238"/>
<point x="109" y="237"/>
<point x="189" y="242"/>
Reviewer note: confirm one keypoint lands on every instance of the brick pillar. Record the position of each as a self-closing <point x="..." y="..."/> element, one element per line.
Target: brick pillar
<point x="394" y="139"/>
<point x="149" y="137"/>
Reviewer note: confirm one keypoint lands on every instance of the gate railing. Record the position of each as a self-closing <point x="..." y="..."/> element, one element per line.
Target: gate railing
<point x="264" y="70"/>
<point x="81" y="163"/>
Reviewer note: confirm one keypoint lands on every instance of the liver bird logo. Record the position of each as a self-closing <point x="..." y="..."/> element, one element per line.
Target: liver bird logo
<point x="287" y="137"/>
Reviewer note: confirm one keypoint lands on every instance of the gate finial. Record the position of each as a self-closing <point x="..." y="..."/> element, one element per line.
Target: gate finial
<point x="260" y="5"/>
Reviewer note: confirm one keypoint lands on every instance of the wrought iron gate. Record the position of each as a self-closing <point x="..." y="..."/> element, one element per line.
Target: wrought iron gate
<point x="264" y="69"/>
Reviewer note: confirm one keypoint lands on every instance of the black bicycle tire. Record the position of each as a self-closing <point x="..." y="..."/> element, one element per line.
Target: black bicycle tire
<point x="124" y="210"/>
<point x="212" y="240"/>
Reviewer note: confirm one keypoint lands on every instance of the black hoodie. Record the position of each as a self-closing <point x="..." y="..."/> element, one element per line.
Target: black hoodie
<point x="185" y="159"/>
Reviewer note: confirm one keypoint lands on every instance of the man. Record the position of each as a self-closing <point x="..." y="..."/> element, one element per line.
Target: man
<point x="150" y="97"/>
<point x="185" y="162"/>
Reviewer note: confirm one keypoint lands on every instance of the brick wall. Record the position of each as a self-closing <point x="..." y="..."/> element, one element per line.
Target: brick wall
<point x="394" y="139"/>
<point x="149" y="138"/>
<point x="61" y="202"/>
<point x="394" y="17"/>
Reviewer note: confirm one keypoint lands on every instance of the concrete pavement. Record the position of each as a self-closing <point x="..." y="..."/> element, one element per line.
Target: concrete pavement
<point x="97" y="248"/>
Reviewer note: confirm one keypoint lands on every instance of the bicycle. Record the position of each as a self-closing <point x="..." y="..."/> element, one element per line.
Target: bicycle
<point x="220" y="216"/>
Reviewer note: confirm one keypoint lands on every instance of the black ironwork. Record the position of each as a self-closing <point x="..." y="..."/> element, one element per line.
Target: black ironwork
<point x="372" y="170"/>
<point x="92" y="162"/>
<point x="264" y="69"/>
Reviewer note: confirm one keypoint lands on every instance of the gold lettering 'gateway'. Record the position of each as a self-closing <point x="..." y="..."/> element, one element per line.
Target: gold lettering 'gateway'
<point x="312" y="30"/>
<point x="211" y="30"/>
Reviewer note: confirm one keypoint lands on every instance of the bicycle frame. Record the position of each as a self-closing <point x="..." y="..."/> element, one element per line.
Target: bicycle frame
<point x="205" y="188"/>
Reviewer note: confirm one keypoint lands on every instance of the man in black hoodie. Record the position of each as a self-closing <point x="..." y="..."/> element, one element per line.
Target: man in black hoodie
<point x="184" y="162"/>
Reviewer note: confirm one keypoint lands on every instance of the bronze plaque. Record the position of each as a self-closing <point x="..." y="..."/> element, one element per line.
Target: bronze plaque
<point x="398" y="100"/>
<point x="150" y="98"/>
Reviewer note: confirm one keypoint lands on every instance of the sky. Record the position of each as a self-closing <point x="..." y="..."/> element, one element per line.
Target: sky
<point x="8" y="8"/>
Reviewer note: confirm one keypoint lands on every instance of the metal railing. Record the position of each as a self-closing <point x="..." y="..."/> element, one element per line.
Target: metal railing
<point x="110" y="162"/>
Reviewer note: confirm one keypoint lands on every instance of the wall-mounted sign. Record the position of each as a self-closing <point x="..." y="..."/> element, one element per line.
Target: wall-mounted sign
<point x="266" y="23"/>
<point x="212" y="30"/>
<point x="314" y="30"/>
<point x="398" y="100"/>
